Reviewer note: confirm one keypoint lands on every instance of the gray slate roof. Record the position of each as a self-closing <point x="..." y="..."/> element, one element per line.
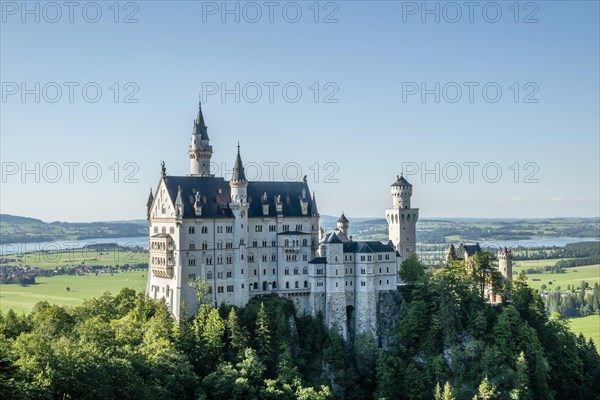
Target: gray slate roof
<point x="217" y="193"/>
<point x="401" y="182"/>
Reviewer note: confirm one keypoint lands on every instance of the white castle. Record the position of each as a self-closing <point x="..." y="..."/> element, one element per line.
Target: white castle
<point x="249" y="238"/>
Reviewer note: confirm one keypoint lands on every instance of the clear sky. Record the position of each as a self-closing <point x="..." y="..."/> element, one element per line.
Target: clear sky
<point x="385" y="87"/>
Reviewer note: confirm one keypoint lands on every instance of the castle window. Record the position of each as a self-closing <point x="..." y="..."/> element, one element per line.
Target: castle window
<point x="192" y="262"/>
<point x="379" y="270"/>
<point x="362" y="258"/>
<point x="388" y="282"/>
<point x="296" y="284"/>
<point x="219" y="289"/>
<point x="251" y="258"/>
<point x="287" y="285"/>
<point x="363" y="271"/>
<point x="286" y="271"/>
<point x="388" y="270"/>
<point x="264" y="257"/>
<point x="229" y="229"/>
<point x="305" y="284"/>
<point x="264" y="243"/>
<point x="242" y="285"/>
<point x="156" y="229"/>
<point x="229" y="260"/>
<point x="336" y="284"/>
<point x="172" y="230"/>
<point x="274" y="285"/>
<point x="299" y="227"/>
<point x="242" y="271"/>
<point x="380" y="281"/>
<point x="264" y="271"/>
<point x="219" y="275"/>
<point x="319" y="283"/>
<point x="255" y="285"/>
<point x="209" y="275"/>
<point x="380" y="257"/>
<point x="274" y="243"/>
<point x="272" y="228"/>
<point x="387" y="256"/>
<point x="229" y="274"/>
<point x="286" y="243"/>
<point x="305" y="242"/>
<point x="296" y="271"/>
<point x="192" y="246"/>
<point x="258" y="228"/>
<point x="273" y="257"/>
<point x="163" y="229"/>
<point x="286" y="228"/>
<point x="204" y="246"/>
<point x="219" y="229"/>
<point x="319" y="271"/>
<point x="219" y="260"/>
<point x="209" y="260"/>
<point x="192" y="277"/>
<point x="192" y="230"/>
<point x="273" y="271"/>
<point x="305" y="270"/>
<point x="255" y="243"/>
<point x="254" y="272"/>
<point x="204" y="229"/>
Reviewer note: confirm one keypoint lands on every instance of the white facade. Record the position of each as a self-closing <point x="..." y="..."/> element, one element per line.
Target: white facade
<point x="251" y="238"/>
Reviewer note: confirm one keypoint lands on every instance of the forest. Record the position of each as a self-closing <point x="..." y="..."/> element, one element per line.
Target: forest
<point x="449" y="343"/>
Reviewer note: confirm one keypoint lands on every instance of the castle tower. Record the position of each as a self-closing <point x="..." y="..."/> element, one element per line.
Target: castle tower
<point x="402" y="219"/>
<point x="505" y="263"/>
<point x="343" y="225"/>
<point x="200" y="150"/>
<point x="239" y="207"/>
<point x="335" y="297"/>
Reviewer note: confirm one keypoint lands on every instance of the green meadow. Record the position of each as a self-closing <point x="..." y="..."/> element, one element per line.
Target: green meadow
<point x="54" y="289"/>
<point x="77" y="257"/>
<point x="589" y="326"/>
<point x="572" y="276"/>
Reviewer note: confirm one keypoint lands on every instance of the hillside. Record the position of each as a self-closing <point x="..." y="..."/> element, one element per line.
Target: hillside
<point x="17" y="229"/>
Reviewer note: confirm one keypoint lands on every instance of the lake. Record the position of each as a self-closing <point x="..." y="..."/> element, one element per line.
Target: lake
<point x="20" y="248"/>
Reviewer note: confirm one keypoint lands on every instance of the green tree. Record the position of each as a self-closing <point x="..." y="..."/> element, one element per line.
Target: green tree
<point x="412" y="270"/>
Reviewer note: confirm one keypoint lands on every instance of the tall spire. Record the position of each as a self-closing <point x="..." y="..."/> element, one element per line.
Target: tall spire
<point x="315" y="211"/>
<point x="199" y="124"/>
<point x="238" y="168"/>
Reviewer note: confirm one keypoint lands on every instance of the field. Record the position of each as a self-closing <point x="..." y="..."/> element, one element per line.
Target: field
<point x="589" y="326"/>
<point x="572" y="276"/>
<point x="77" y="257"/>
<point x="54" y="289"/>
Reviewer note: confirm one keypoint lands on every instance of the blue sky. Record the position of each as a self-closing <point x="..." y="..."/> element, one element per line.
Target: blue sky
<point x="374" y="61"/>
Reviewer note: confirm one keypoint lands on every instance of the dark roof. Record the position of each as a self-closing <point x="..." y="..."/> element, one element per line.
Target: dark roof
<point x="343" y="219"/>
<point x="332" y="237"/>
<point x="217" y="203"/>
<point x="318" y="260"/>
<point x="470" y="249"/>
<point x="150" y="199"/>
<point x="400" y="181"/>
<point x="238" y="168"/>
<point x="373" y="246"/>
<point x="289" y="194"/>
<point x="199" y="125"/>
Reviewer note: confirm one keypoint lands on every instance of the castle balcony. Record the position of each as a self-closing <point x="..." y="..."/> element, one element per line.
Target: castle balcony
<point x="291" y="249"/>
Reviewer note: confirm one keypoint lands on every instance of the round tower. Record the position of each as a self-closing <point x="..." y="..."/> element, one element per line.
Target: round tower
<point x="401" y="193"/>
<point x="200" y="150"/>
<point x="505" y="263"/>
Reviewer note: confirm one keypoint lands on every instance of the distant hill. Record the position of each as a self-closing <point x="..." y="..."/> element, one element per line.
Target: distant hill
<point x="18" y="229"/>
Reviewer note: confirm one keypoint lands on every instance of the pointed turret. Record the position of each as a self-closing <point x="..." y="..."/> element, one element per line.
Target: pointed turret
<point x="343" y="224"/>
<point x="238" y="168"/>
<point x="238" y="182"/>
<point x="179" y="203"/>
<point x="149" y="203"/>
<point x="315" y="210"/>
<point x="200" y="150"/>
<point x="200" y="128"/>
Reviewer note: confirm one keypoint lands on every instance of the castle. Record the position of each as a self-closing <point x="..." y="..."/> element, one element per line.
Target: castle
<point x="248" y="238"/>
<point x="465" y="252"/>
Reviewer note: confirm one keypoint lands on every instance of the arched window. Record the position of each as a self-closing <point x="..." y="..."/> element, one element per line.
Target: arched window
<point x="305" y="242"/>
<point x="265" y="285"/>
<point x="192" y="230"/>
<point x="305" y="284"/>
<point x="287" y="285"/>
<point x="192" y="246"/>
<point x="274" y="285"/>
<point x="296" y="284"/>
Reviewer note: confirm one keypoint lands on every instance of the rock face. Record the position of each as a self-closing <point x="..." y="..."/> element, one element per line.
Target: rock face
<point x="388" y="312"/>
